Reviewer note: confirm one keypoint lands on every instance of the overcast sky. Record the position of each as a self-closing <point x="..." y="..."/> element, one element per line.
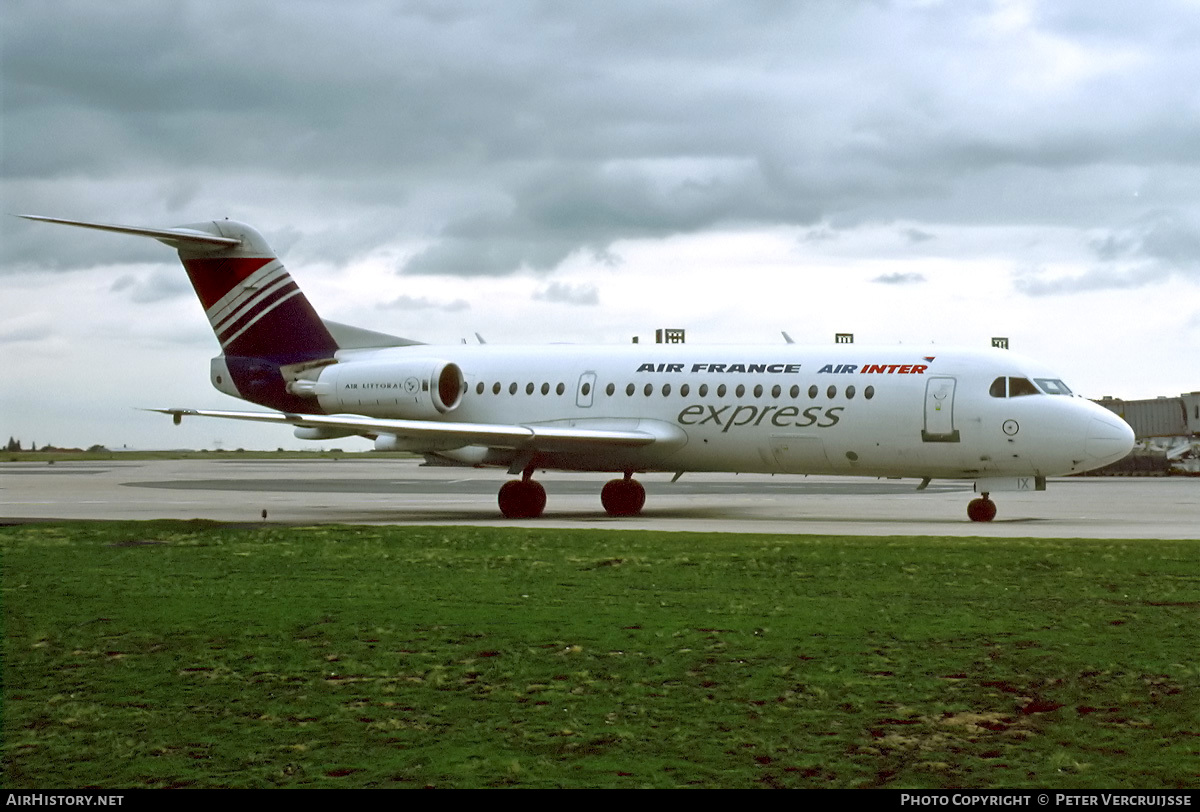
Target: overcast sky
<point x="552" y="171"/>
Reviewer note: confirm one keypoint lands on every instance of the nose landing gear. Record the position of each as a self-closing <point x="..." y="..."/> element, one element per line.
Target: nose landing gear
<point x="982" y="509"/>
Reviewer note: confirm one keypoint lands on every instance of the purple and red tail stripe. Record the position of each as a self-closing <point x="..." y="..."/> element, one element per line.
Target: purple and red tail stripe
<point x="257" y="310"/>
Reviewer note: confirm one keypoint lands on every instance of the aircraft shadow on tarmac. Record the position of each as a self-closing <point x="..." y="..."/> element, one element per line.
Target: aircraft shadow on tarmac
<point x="667" y="493"/>
<point x="565" y="486"/>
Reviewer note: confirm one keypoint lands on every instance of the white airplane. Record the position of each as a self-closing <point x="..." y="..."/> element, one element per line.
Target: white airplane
<point x="988" y="416"/>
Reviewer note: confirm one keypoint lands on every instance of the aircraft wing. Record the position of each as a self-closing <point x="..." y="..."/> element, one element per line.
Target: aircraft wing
<point x="438" y="435"/>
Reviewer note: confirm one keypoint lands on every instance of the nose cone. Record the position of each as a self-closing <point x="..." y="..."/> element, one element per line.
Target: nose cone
<point x="1109" y="439"/>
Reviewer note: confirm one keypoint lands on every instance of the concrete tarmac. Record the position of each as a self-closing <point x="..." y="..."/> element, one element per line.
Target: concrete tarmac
<point x="389" y="491"/>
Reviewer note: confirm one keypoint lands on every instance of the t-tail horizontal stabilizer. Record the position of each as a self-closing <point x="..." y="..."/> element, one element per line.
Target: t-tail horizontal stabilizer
<point x="175" y="237"/>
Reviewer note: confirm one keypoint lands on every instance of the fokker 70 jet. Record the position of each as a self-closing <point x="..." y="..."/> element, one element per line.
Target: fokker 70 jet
<point x="988" y="416"/>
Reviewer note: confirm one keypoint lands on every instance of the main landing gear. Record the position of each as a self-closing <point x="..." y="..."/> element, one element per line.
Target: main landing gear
<point x="522" y="498"/>
<point x="982" y="509"/>
<point x="623" y="497"/>
<point x="526" y="499"/>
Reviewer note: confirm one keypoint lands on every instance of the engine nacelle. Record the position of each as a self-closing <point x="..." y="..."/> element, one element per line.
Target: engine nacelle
<point x="414" y="389"/>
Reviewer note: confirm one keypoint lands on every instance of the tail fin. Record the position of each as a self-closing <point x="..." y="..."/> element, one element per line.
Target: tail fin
<point x="254" y="306"/>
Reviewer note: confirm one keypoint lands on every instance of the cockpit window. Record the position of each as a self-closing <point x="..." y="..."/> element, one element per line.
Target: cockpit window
<point x="1014" y="387"/>
<point x="1053" y="386"/>
<point x="1021" y="386"/>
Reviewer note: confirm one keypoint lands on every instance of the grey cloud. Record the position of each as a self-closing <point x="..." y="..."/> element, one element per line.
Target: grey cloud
<point x="1093" y="280"/>
<point x="406" y="302"/>
<point x="1109" y="275"/>
<point x="123" y="283"/>
<point x="1159" y="246"/>
<point x="26" y="329"/>
<point x="569" y="294"/>
<point x="484" y="253"/>
<point x="819" y="235"/>
<point x="557" y="211"/>
<point x="899" y="279"/>
<point x="1167" y="237"/>
<point x="509" y="137"/>
<point x="159" y="285"/>
<point x="916" y="235"/>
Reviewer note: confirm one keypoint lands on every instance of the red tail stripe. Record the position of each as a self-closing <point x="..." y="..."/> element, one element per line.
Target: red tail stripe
<point x="213" y="278"/>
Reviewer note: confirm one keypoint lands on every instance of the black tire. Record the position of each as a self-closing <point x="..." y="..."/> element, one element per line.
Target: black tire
<point x="623" y="497"/>
<point x="981" y="510"/>
<point x="522" y="499"/>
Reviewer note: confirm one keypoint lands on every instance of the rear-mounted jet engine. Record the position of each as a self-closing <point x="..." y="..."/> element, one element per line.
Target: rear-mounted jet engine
<point x="417" y="389"/>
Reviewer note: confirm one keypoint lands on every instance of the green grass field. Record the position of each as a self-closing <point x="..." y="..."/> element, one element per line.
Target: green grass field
<point x="189" y="654"/>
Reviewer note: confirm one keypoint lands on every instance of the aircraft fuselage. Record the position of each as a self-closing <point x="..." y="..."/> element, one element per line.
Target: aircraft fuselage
<point x="842" y="409"/>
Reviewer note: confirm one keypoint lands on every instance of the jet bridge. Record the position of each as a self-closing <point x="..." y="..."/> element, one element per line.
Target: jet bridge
<point x="1168" y="436"/>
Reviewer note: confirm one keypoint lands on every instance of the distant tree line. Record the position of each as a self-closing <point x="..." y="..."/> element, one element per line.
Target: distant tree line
<point x="15" y="445"/>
